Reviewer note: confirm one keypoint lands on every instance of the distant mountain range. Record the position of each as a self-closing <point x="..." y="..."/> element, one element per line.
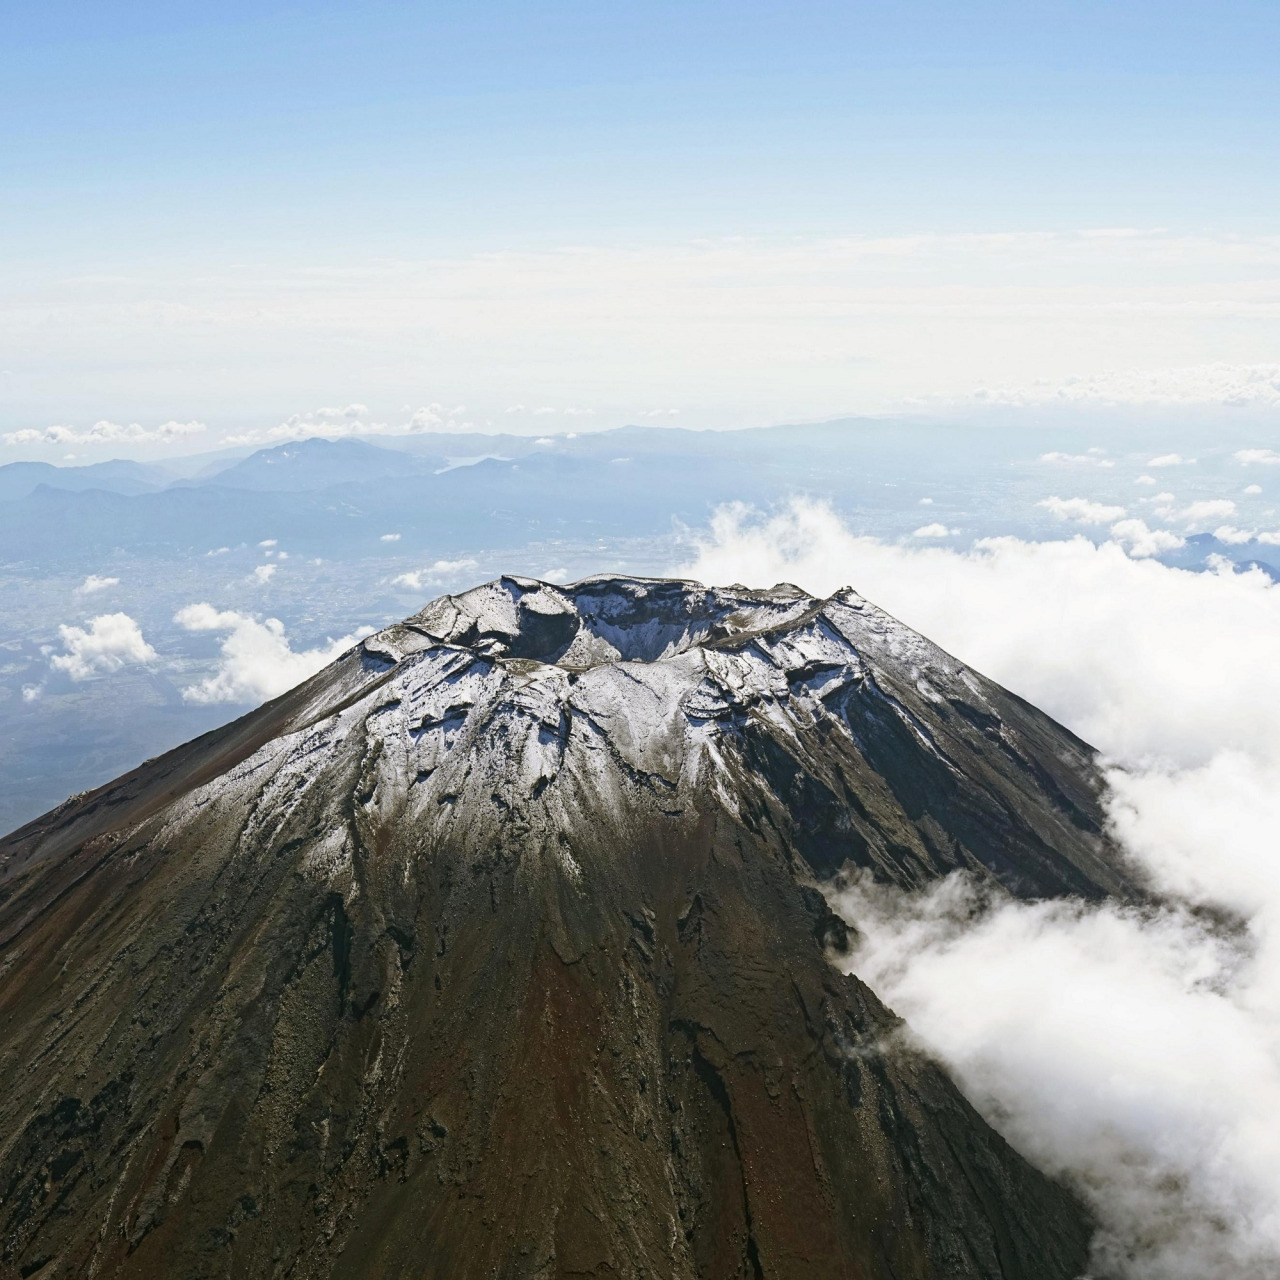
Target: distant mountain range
<point x="20" y="479"/>
<point x="337" y="497"/>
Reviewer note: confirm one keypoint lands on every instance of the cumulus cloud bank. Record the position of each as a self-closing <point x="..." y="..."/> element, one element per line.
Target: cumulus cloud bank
<point x="257" y="661"/>
<point x="105" y="644"/>
<point x="1134" y="1051"/>
<point x="1141" y="541"/>
<point x="105" y="433"/>
<point x="352" y="420"/>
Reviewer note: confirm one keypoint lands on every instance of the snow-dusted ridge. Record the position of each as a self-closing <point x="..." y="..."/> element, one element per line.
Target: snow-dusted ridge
<point x="522" y="702"/>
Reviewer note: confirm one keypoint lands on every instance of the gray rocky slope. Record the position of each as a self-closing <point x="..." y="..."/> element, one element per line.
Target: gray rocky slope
<point x="495" y="950"/>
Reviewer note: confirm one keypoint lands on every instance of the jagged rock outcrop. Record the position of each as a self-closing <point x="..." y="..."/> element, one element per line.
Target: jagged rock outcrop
<point x="496" y="949"/>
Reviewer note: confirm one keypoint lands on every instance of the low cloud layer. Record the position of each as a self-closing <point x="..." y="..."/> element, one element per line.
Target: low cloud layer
<point x="734" y="331"/>
<point x="105" y="433"/>
<point x="256" y="661"/>
<point x="1134" y="1051"/>
<point x="104" y="644"/>
<point x="1116" y="1048"/>
<point x="1233" y="385"/>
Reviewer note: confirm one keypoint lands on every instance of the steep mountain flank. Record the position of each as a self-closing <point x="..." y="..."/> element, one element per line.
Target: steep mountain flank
<point x="495" y="949"/>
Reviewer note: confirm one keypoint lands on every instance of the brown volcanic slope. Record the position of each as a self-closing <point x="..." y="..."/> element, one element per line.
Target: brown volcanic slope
<point x="493" y="950"/>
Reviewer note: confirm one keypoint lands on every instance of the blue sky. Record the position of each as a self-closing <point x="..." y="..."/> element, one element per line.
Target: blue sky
<point x="154" y="148"/>
<point x="342" y="125"/>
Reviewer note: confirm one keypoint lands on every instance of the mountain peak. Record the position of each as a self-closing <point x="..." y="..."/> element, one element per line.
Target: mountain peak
<point x="496" y="948"/>
<point x="784" y="690"/>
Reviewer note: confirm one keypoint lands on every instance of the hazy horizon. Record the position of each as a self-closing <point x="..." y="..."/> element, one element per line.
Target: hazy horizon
<point x="706" y="214"/>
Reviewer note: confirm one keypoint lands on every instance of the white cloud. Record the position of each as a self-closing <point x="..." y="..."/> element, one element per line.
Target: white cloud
<point x="1081" y="510"/>
<point x="1229" y="533"/>
<point x="1253" y="489"/>
<point x="106" y="433"/>
<point x="934" y="531"/>
<point x="1267" y="457"/>
<point x="1170" y="460"/>
<point x="1146" y="480"/>
<point x="112" y="641"/>
<point x="95" y="583"/>
<point x="1194" y="513"/>
<point x="1104" y="1042"/>
<point x="389" y="537"/>
<point x="1085" y="459"/>
<point x="353" y="421"/>
<point x="263" y="574"/>
<point x="437" y="417"/>
<point x="269" y="542"/>
<point x="419" y="579"/>
<point x="256" y="662"/>
<point x="1142" y="542"/>
<point x="1134" y="1050"/>
<point x="1207" y="509"/>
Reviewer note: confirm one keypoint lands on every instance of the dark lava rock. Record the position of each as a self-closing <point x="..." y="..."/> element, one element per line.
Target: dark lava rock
<point x="495" y="949"/>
